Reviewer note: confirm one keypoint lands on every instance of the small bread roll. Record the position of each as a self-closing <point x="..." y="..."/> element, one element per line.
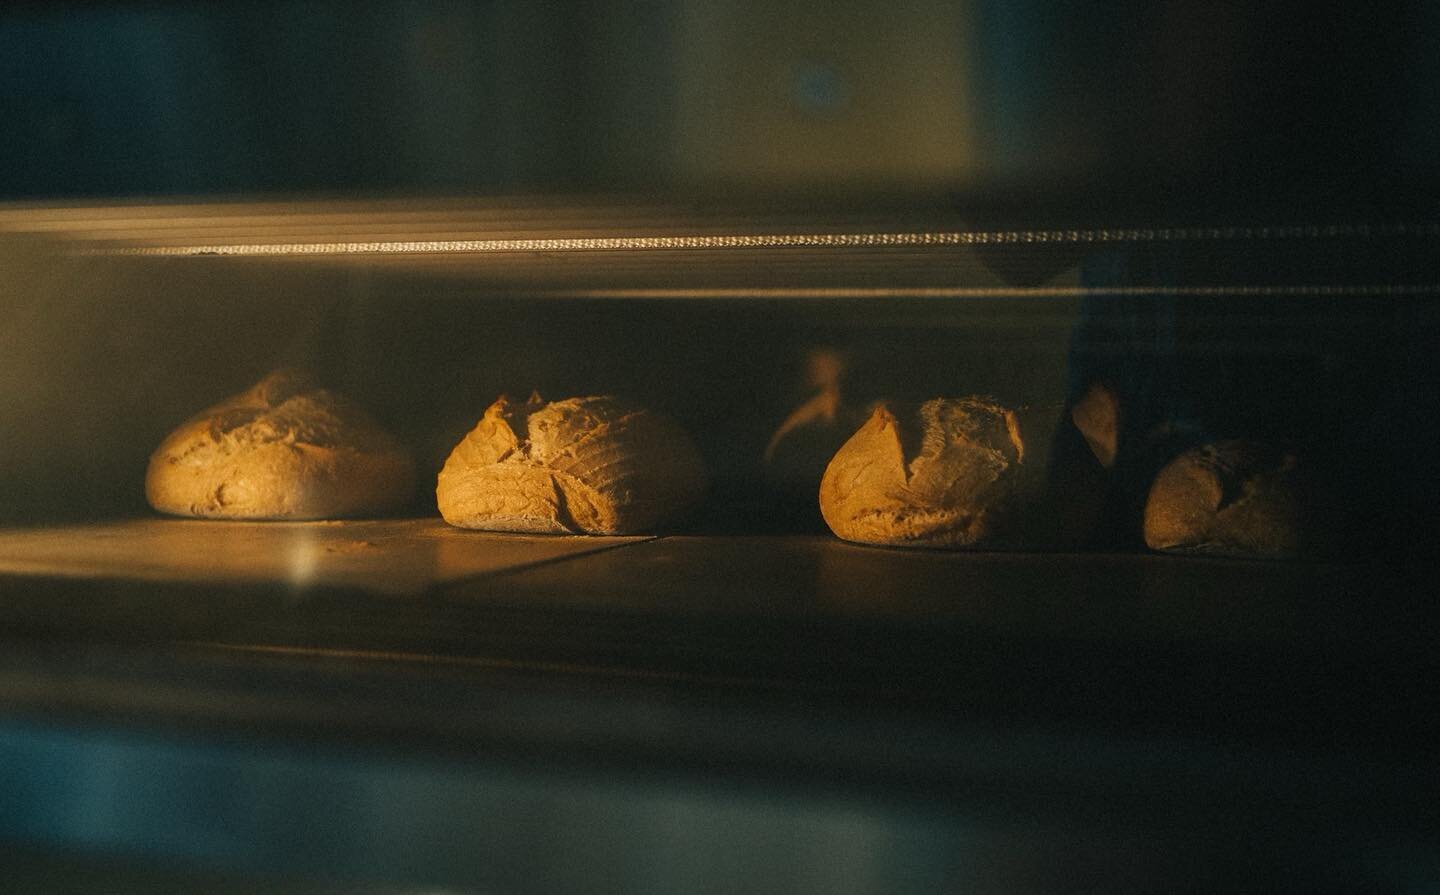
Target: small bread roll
<point x="1235" y="498"/>
<point x="285" y="449"/>
<point x="953" y="474"/>
<point x="592" y="465"/>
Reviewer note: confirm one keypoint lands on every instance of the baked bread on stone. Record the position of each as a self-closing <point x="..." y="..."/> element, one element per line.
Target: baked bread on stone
<point x="957" y="472"/>
<point x="593" y="465"/>
<point x="1236" y="498"/>
<point x="284" y="449"/>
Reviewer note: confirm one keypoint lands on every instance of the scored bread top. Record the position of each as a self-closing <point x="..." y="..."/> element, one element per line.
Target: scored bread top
<point x="940" y="475"/>
<point x="283" y="449"/>
<point x="592" y="465"/>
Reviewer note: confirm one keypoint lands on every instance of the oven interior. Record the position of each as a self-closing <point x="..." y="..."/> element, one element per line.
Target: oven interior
<point x="739" y="700"/>
<point x="183" y="692"/>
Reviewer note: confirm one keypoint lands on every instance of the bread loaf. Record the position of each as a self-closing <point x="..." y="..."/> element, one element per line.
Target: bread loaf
<point x="954" y="473"/>
<point x="594" y="465"/>
<point x="1236" y="497"/>
<point x="284" y="449"/>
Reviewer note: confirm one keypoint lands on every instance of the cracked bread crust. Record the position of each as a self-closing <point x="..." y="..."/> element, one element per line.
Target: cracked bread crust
<point x="947" y="475"/>
<point x="591" y="465"/>
<point x="284" y="449"/>
<point x="1229" y="498"/>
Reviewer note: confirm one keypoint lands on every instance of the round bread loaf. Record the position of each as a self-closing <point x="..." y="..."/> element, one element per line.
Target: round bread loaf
<point x="594" y="465"/>
<point x="284" y="449"/>
<point x="1237" y="498"/>
<point x="952" y="474"/>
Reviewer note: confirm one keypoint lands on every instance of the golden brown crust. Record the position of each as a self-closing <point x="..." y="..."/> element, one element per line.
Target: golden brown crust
<point x="592" y="465"/>
<point x="947" y="475"/>
<point x="284" y="449"/>
<point x="1231" y="497"/>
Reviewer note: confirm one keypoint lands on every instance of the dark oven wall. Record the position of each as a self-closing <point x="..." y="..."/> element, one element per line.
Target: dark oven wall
<point x="1287" y="103"/>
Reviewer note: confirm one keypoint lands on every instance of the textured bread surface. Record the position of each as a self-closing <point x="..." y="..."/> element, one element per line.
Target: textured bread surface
<point x="951" y="474"/>
<point x="1236" y="497"/>
<point x="592" y="465"/>
<point x="284" y="449"/>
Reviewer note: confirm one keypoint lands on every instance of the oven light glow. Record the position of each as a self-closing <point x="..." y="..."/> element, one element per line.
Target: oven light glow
<point x="302" y="558"/>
